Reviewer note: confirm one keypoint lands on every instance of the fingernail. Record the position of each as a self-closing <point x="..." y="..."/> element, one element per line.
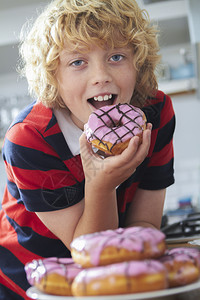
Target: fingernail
<point x="150" y="126"/>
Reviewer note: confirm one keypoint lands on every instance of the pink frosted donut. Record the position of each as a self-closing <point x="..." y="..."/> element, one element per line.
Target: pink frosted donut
<point x="121" y="278"/>
<point x="52" y="275"/>
<point x="183" y="265"/>
<point x="112" y="246"/>
<point x="110" y="128"/>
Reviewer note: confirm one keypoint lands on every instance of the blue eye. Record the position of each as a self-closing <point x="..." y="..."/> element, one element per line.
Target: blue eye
<point x="77" y="63"/>
<point x="117" y="57"/>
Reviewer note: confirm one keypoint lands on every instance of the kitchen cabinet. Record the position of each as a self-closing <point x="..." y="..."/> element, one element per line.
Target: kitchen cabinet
<point x="178" y="22"/>
<point x="172" y="19"/>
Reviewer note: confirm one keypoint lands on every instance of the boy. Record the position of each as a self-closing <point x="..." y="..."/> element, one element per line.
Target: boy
<point x="79" y="56"/>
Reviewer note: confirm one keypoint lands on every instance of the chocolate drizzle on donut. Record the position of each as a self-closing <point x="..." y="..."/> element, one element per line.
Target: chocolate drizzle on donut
<point x="182" y="254"/>
<point x="129" y="124"/>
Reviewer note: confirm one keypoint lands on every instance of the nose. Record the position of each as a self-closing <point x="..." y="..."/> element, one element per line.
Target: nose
<point x="100" y="74"/>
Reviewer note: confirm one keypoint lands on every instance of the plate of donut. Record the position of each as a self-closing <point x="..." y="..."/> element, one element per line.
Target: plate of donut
<point x="34" y="293"/>
<point x="123" y="264"/>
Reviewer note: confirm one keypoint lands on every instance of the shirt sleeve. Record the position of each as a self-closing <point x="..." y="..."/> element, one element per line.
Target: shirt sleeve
<point x="159" y="173"/>
<point x="37" y="176"/>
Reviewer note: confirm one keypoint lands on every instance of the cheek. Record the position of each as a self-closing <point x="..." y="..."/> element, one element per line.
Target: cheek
<point x="129" y="75"/>
<point x="65" y="86"/>
<point x="133" y="75"/>
<point x="65" y="90"/>
<point x="129" y="84"/>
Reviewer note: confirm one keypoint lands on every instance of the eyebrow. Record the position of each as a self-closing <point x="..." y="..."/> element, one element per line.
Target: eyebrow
<point x="65" y="54"/>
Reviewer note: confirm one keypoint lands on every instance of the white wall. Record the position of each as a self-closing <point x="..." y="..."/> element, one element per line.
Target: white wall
<point x="11" y="84"/>
<point x="187" y="151"/>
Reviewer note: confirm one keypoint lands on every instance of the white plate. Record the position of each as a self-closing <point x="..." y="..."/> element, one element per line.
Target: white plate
<point x="33" y="293"/>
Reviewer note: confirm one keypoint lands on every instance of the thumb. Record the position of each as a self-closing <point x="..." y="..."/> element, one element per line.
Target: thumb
<point x="85" y="148"/>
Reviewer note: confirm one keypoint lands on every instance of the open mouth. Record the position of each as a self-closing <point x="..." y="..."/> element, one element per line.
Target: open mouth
<point x="101" y="101"/>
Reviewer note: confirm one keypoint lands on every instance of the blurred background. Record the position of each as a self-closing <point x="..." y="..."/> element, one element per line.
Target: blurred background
<point x="179" y="76"/>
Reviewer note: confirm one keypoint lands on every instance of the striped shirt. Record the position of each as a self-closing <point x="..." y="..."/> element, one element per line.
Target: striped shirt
<point x="44" y="175"/>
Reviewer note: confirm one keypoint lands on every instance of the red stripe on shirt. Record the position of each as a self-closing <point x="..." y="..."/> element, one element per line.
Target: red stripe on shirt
<point x="11" y="242"/>
<point x="126" y="197"/>
<point x="154" y="134"/>
<point x="39" y="116"/>
<point x="75" y="167"/>
<point x="164" y="156"/>
<point x="15" y="210"/>
<point x="33" y="138"/>
<point x="34" y="179"/>
<point x="166" y="117"/>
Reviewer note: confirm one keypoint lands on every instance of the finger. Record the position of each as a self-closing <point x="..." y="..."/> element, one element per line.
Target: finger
<point x="149" y="126"/>
<point x="85" y="148"/>
<point x="143" y="148"/>
<point x="82" y="142"/>
<point x="146" y="141"/>
<point x="125" y="157"/>
<point x="138" y="152"/>
<point x="134" y="144"/>
<point x="129" y="153"/>
<point x="86" y="151"/>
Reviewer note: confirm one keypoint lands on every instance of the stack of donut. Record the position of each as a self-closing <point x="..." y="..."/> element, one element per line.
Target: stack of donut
<point x="121" y="261"/>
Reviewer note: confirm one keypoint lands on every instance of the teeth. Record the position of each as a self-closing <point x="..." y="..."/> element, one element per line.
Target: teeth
<point x="103" y="98"/>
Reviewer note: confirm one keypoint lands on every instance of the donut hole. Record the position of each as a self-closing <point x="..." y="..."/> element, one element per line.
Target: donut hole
<point x="117" y="124"/>
<point x="114" y="126"/>
<point x="114" y="123"/>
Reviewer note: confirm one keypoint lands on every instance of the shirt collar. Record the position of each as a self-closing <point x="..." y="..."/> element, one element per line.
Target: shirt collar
<point x="70" y="131"/>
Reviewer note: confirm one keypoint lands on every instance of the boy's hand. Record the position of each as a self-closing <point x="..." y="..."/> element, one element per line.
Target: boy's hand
<point x="108" y="173"/>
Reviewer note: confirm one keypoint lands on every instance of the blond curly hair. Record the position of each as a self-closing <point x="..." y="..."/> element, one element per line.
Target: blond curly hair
<point x="116" y="23"/>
